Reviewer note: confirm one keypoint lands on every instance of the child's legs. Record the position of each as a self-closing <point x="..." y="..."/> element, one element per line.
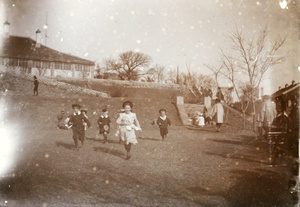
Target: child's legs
<point x="219" y="125"/>
<point x="75" y="138"/>
<point x="105" y="136"/>
<point x="163" y="132"/>
<point x="81" y="136"/>
<point x="35" y="91"/>
<point x="128" y="148"/>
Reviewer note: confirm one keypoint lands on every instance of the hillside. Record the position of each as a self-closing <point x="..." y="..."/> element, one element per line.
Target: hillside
<point x="53" y="100"/>
<point x="182" y="171"/>
<point x="118" y="88"/>
<point x="147" y="101"/>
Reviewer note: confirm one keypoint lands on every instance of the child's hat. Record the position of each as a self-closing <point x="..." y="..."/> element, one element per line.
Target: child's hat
<point x="104" y="110"/>
<point x="162" y="110"/>
<point x="76" y="106"/>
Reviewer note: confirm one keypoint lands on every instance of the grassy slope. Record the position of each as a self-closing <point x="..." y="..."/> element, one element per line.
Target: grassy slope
<point x="125" y="88"/>
<point x="200" y="168"/>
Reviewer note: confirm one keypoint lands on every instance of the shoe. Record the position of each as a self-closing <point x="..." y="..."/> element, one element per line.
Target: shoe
<point x="128" y="157"/>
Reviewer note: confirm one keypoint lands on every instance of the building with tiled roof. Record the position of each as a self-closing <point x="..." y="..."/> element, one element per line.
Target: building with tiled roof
<point x="287" y="94"/>
<point x="25" y="54"/>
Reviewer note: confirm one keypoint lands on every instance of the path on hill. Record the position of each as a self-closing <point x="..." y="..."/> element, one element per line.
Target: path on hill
<point x="191" y="168"/>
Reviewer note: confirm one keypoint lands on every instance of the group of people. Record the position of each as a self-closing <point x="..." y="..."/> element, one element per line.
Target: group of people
<point x="127" y="123"/>
<point x="215" y="114"/>
<point x="273" y="117"/>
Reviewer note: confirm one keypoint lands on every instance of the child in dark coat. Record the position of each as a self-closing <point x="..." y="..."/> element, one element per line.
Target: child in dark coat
<point x="76" y="121"/>
<point x="104" y="124"/>
<point x="36" y="86"/>
<point x="163" y="122"/>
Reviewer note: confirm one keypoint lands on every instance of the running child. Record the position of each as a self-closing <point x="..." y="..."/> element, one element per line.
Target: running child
<point x="163" y="122"/>
<point x="76" y="122"/>
<point x="104" y="124"/>
<point x="128" y="124"/>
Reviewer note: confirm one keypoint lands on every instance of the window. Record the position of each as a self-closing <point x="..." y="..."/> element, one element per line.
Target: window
<point x="67" y="66"/>
<point x="37" y="64"/>
<point x="30" y="63"/>
<point x="57" y="65"/>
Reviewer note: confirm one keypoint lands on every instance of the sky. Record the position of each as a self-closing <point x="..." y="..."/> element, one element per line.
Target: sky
<point x="174" y="33"/>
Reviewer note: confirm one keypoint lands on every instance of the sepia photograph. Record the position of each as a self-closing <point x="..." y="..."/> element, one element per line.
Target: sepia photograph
<point x="149" y="103"/>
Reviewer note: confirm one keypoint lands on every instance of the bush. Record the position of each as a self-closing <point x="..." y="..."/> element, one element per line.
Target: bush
<point x="117" y="90"/>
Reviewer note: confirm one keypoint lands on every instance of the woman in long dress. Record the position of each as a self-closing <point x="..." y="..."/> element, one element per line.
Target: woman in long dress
<point x="217" y="112"/>
<point x="128" y="124"/>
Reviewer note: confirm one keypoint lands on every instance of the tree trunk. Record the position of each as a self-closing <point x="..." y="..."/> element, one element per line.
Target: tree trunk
<point x="254" y="116"/>
<point x="244" y="119"/>
<point x="227" y="112"/>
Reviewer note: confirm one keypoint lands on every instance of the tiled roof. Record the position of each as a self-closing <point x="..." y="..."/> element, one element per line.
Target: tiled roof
<point x="24" y="47"/>
<point x="286" y="90"/>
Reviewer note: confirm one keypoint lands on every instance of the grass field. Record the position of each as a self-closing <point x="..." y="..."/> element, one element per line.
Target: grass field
<point x="191" y="168"/>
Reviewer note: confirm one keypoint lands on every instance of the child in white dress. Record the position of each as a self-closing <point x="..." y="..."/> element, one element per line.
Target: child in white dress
<point x="200" y="120"/>
<point x="128" y="124"/>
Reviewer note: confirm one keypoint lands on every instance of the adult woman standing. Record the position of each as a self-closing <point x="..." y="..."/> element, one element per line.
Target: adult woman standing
<point x="128" y="123"/>
<point x="218" y="112"/>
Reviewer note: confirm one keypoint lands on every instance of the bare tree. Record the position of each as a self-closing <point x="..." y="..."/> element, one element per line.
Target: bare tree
<point x="194" y="81"/>
<point x="216" y="71"/>
<point x="172" y="74"/>
<point x="252" y="57"/>
<point x="128" y="64"/>
<point x="157" y="73"/>
<point x="231" y="73"/>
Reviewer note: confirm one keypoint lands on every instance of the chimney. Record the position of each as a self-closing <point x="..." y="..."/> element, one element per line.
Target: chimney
<point x="261" y="92"/>
<point x="38" y="38"/>
<point x="6" y="28"/>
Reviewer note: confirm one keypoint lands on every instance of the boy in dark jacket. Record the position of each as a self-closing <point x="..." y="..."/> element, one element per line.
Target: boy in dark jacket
<point x="104" y="124"/>
<point x="163" y="122"/>
<point x="77" y="123"/>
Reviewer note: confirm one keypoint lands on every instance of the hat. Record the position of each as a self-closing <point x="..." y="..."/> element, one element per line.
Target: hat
<point x="104" y="110"/>
<point x="162" y="110"/>
<point x="76" y="106"/>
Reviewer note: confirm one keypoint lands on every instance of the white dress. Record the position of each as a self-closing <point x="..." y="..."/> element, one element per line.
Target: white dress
<point x="127" y="127"/>
<point x="201" y="121"/>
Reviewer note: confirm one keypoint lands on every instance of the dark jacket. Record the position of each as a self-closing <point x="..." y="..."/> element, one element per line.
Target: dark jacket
<point x="77" y="121"/>
<point x="163" y="123"/>
<point x="104" y="121"/>
<point x="36" y="83"/>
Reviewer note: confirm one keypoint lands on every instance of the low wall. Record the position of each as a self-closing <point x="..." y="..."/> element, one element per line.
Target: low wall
<point x="128" y="84"/>
<point x="53" y="82"/>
